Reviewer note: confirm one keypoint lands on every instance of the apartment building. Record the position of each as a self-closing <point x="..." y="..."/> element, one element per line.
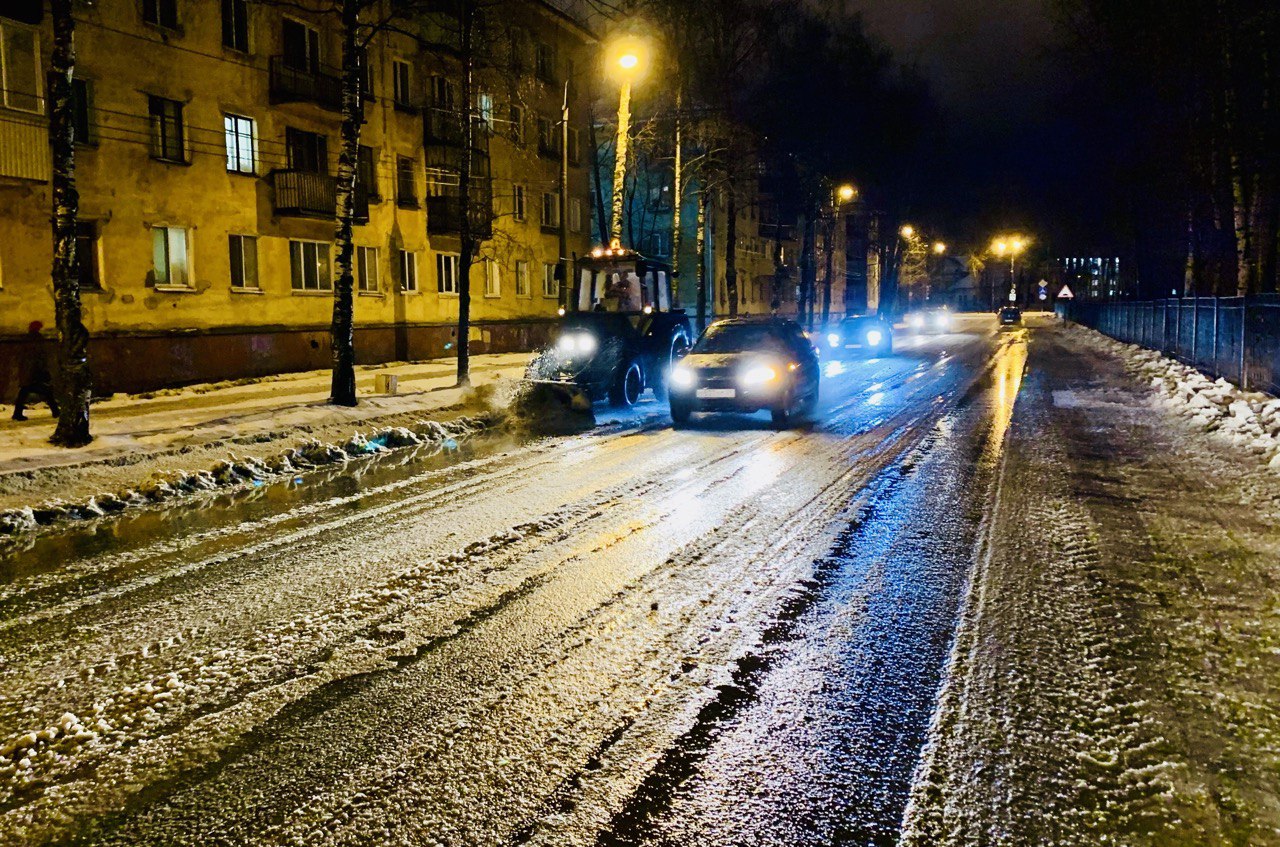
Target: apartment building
<point x="207" y="143"/>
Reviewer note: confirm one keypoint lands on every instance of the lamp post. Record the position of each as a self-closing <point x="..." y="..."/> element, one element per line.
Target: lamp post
<point x="626" y="59"/>
<point x="1011" y="245"/>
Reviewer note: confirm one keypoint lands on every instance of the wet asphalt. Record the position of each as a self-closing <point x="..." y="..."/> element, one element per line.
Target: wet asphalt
<point x="721" y="635"/>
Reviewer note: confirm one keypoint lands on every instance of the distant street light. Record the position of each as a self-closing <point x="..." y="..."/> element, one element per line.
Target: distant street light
<point x="846" y="193"/>
<point x="1011" y="245"/>
<point x="939" y="248"/>
<point x="627" y="58"/>
<point x="908" y="231"/>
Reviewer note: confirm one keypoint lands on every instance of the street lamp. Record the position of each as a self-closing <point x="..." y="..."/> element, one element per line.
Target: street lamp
<point x="939" y="248"/>
<point x="846" y="193"/>
<point x="626" y="59"/>
<point x="908" y="231"/>
<point x="1011" y="245"/>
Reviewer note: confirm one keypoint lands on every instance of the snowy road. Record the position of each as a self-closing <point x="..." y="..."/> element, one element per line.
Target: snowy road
<point x="718" y="635"/>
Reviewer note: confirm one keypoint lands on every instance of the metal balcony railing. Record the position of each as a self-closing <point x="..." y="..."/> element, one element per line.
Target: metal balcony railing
<point x="444" y="214"/>
<point x="309" y="194"/>
<point x="293" y="85"/>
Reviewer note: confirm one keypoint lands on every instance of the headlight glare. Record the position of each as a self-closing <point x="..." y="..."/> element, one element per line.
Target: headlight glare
<point x="915" y="321"/>
<point x="833" y="339"/>
<point x="682" y="377"/>
<point x="759" y="375"/>
<point x="587" y="343"/>
<point x="874" y="337"/>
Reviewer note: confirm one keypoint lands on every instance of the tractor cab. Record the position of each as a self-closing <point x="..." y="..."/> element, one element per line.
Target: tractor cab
<point x="622" y="281"/>
<point x="618" y="333"/>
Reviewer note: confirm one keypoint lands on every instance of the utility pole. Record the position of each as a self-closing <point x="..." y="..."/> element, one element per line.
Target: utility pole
<point x="677" y="202"/>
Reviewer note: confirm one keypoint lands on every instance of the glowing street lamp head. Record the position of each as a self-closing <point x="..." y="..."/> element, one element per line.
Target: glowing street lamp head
<point x="627" y="57"/>
<point x="999" y="247"/>
<point x="1018" y="245"/>
<point x="846" y="193"/>
<point x="908" y="231"/>
<point x="939" y="248"/>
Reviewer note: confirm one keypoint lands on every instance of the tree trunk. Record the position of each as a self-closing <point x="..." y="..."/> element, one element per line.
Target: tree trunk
<point x="342" y="391"/>
<point x="465" y="236"/>
<point x="73" y="386"/>
<point x="677" y="202"/>
<point x="602" y="223"/>
<point x="731" y="249"/>
<point x="808" y="270"/>
<point x="701" y="249"/>
<point x="828" y="238"/>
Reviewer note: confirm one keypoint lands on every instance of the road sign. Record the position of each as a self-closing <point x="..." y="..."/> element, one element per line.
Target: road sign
<point x="1044" y="290"/>
<point x="1064" y="293"/>
<point x="1013" y="295"/>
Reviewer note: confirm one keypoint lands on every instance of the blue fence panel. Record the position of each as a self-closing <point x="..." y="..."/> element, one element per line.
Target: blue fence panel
<point x="1262" y="356"/>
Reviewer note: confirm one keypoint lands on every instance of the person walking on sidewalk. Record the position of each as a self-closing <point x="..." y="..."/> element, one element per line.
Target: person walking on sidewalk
<point x="33" y="375"/>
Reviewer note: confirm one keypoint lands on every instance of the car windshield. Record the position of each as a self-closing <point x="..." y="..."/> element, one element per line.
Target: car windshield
<point x="1010" y="313"/>
<point x="740" y="338"/>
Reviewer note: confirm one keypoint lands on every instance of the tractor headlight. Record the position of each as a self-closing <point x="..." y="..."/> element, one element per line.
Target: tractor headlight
<point x="833" y="339"/>
<point x="682" y="377"/>
<point x="757" y="376"/>
<point x="577" y="343"/>
<point x="874" y="337"/>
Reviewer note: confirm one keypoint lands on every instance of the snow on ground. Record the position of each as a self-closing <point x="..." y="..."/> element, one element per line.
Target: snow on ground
<point x="159" y="445"/>
<point x="1246" y="420"/>
<point x="1114" y="676"/>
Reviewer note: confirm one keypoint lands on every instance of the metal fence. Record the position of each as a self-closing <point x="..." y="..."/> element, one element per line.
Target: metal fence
<point x="1236" y="338"/>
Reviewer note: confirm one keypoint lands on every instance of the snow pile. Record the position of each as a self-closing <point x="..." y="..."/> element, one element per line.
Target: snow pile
<point x="1247" y="420"/>
<point x="243" y="471"/>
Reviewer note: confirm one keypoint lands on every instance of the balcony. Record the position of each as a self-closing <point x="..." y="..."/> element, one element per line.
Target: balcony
<point x="296" y="85"/>
<point x="311" y="195"/>
<point x="777" y="232"/>
<point x="24" y="147"/>
<point x="444" y="214"/>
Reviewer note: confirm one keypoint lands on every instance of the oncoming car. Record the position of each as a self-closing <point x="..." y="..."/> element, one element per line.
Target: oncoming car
<point x="745" y="365"/>
<point x="931" y="320"/>
<point x="869" y="334"/>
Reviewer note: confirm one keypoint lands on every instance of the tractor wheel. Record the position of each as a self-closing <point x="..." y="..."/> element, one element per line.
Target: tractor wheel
<point x="626" y="390"/>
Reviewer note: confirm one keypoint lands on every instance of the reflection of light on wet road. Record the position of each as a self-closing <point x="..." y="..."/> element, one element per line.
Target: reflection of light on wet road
<point x="876" y="399"/>
<point x="874" y="387"/>
<point x="833" y="369"/>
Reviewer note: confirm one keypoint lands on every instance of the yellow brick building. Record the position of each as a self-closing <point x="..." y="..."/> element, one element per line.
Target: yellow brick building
<point x="207" y="147"/>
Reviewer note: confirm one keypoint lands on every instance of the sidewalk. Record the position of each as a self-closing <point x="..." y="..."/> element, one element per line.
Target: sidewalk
<point x="192" y="428"/>
<point x="1116" y="675"/>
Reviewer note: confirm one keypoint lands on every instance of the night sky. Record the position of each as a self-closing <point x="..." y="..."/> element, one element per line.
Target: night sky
<point x="996" y="69"/>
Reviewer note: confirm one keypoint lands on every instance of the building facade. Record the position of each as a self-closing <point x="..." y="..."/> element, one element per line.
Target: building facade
<point x="207" y="143"/>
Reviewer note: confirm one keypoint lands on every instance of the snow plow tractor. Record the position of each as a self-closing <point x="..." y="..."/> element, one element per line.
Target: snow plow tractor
<point x="617" y="336"/>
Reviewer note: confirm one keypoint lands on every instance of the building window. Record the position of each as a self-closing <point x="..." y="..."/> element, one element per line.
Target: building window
<point x="550" y="210"/>
<point x="81" y="103"/>
<point x="166" y="129"/>
<point x="408" y="271"/>
<point x="244" y="261"/>
<point x="401" y="81"/>
<point x="301" y="46"/>
<point x="87" y="255"/>
<point x="545" y="62"/>
<point x="367" y="172"/>
<point x="20" y="64"/>
<point x="517" y="202"/>
<point x="575" y="150"/>
<point x="405" y="196"/>
<point x="550" y="285"/>
<point x="161" y="12"/>
<point x="367" y="270"/>
<point x="307" y="151"/>
<point x="169" y="257"/>
<point x="519" y="50"/>
<point x="660" y="244"/>
<point x="517" y="124"/>
<point x="522" y="278"/>
<point x="447" y="273"/>
<point x="442" y="92"/>
<point x="548" y="138"/>
<point x="575" y="214"/>
<point x="235" y="25"/>
<point x="484" y="108"/>
<point x="241" y="143"/>
<point x="492" y="279"/>
<point x="309" y="266"/>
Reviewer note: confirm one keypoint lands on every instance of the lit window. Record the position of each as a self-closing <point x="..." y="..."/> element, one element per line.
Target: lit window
<point x="367" y="270"/>
<point x="522" y="278"/>
<point x="309" y="266"/>
<point x="447" y="273"/>
<point x="166" y="129"/>
<point x="550" y="285"/>
<point x="244" y="261"/>
<point x="492" y="279"/>
<point x="240" y="138"/>
<point x="408" y="271"/>
<point x="169" y="257"/>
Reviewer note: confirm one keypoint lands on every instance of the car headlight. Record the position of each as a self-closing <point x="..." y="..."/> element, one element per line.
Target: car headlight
<point x="833" y="339"/>
<point x="916" y="321"/>
<point x="874" y="337"/>
<point x="942" y="321"/>
<point x="758" y="375"/>
<point x="682" y="377"/>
